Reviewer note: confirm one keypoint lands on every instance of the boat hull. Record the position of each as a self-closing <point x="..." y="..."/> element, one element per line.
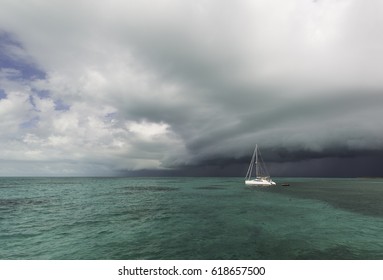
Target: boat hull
<point x="260" y="183"/>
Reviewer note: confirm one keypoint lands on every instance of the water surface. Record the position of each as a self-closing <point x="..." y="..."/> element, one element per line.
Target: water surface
<point x="190" y="218"/>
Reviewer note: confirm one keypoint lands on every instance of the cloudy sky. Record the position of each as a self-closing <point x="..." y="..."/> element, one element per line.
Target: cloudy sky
<point x="123" y="87"/>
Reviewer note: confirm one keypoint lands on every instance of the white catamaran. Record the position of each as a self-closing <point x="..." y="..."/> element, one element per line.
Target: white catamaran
<point x="262" y="177"/>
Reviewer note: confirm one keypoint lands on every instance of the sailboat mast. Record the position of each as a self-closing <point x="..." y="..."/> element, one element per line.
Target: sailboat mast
<point x="256" y="161"/>
<point x="262" y="177"/>
<point x="250" y="170"/>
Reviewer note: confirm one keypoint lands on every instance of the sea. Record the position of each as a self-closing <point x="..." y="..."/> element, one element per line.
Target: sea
<point x="169" y="218"/>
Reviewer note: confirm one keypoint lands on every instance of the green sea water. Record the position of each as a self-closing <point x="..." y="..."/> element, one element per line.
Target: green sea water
<point x="190" y="218"/>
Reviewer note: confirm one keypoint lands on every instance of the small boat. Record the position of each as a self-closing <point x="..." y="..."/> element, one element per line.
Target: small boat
<point x="262" y="177"/>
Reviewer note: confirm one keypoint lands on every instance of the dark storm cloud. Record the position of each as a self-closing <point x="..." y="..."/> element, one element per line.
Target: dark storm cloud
<point x="190" y="88"/>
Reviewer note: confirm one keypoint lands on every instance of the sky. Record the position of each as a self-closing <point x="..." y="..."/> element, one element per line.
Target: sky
<point x="187" y="88"/>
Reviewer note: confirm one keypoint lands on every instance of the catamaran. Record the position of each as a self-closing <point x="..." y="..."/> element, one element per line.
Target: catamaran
<point x="262" y="177"/>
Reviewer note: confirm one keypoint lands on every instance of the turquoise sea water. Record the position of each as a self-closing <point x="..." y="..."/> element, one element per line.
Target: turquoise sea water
<point x="190" y="218"/>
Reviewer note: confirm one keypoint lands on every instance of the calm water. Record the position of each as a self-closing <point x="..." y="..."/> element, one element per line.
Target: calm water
<point x="190" y="218"/>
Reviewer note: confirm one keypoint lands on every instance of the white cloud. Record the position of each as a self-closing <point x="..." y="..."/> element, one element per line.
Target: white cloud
<point x="14" y="111"/>
<point x="136" y="84"/>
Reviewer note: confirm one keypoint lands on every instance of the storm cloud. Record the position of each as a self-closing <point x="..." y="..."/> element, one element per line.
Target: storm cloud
<point x="189" y="87"/>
